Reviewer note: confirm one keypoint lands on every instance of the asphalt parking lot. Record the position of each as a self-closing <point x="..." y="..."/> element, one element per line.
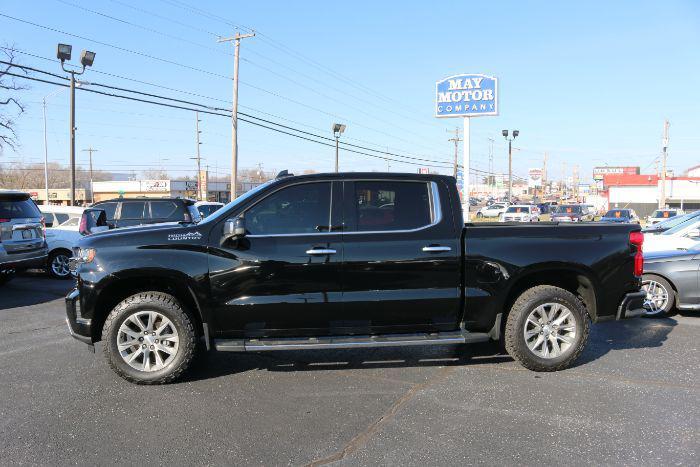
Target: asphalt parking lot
<point x="633" y="398"/>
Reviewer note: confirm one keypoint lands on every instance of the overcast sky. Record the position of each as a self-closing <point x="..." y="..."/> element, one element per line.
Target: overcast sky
<point x="589" y="82"/>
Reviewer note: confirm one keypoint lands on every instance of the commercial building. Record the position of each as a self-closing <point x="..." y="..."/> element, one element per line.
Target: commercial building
<point x="643" y="192"/>
<point x="59" y="196"/>
<point x="215" y="191"/>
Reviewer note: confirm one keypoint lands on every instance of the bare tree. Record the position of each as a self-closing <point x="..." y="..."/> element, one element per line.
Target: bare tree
<point x="155" y="174"/>
<point x="10" y="105"/>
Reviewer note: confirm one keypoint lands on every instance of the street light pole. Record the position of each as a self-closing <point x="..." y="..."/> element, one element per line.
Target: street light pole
<point x="338" y="129"/>
<point x="510" y="160"/>
<point x="87" y="58"/>
<point x="234" y="112"/>
<point x="46" y="157"/>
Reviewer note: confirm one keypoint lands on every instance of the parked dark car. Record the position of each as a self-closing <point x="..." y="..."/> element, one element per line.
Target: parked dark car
<point x="22" y="234"/>
<point x="620" y="215"/>
<point x="348" y="260"/>
<point x="125" y="212"/>
<point x="571" y="213"/>
<point x="672" y="281"/>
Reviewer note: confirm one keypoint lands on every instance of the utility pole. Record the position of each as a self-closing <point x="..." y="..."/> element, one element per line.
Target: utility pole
<point x="234" y="112"/>
<point x="662" y="200"/>
<point x="492" y="177"/>
<point x="199" y="160"/>
<point x="455" y="140"/>
<point x="92" y="194"/>
<point x="575" y="181"/>
<point x="544" y="175"/>
<point x="563" y="180"/>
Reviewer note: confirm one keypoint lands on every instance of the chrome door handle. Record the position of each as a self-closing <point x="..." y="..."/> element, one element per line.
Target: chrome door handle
<point x="436" y="249"/>
<point x="320" y="251"/>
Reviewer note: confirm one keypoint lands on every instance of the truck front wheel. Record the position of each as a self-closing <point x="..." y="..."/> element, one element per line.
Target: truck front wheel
<point x="149" y="339"/>
<point x="547" y="328"/>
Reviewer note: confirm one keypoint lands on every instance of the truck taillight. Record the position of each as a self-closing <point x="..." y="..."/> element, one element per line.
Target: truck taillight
<point x="637" y="239"/>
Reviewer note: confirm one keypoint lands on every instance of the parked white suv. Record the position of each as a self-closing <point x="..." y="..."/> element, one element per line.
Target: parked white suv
<point x="62" y="235"/>
<point x="521" y="213"/>
<point x="495" y="210"/>
<point x="663" y="214"/>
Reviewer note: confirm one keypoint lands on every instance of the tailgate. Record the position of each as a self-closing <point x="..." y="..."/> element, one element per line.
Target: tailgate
<point x="21" y="235"/>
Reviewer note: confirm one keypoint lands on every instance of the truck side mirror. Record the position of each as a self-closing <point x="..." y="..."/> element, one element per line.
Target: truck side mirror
<point x="234" y="229"/>
<point x="92" y="221"/>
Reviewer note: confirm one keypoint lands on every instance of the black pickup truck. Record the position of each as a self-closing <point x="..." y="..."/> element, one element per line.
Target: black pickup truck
<point x="348" y="260"/>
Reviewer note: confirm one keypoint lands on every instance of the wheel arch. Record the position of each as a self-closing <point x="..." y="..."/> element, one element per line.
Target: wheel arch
<point x="130" y="283"/>
<point x="667" y="279"/>
<point x="578" y="280"/>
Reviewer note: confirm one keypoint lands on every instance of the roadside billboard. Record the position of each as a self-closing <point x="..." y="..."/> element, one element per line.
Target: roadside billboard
<point x="466" y="95"/>
<point x="600" y="172"/>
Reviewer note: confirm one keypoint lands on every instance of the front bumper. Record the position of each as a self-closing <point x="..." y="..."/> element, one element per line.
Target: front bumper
<point x="79" y="327"/>
<point x="632" y="305"/>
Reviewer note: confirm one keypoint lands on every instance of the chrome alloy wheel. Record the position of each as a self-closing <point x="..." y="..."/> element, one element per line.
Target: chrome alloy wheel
<point x="59" y="265"/>
<point x="147" y="341"/>
<point x="550" y="330"/>
<point x="657" y="297"/>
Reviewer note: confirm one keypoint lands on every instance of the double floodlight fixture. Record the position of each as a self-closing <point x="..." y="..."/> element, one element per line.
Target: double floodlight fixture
<point x="338" y="129"/>
<point x="64" y="51"/>
<point x="505" y="133"/>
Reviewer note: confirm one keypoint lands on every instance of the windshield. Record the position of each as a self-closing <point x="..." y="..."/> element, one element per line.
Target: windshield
<point x="663" y="214"/>
<point x="694" y="223"/>
<point x="617" y="213"/>
<point x="568" y="209"/>
<point x="224" y="210"/>
<point x="518" y="209"/>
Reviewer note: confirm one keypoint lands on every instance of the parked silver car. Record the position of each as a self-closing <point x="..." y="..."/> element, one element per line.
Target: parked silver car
<point x="22" y="234"/>
<point x="671" y="281"/>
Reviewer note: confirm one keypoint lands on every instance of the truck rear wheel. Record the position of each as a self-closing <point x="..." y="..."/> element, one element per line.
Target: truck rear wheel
<point x="547" y="328"/>
<point x="149" y="339"/>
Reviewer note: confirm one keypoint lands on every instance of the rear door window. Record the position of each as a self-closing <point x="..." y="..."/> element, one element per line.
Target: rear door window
<point x="390" y="205"/>
<point x="133" y="210"/>
<point x="165" y="210"/>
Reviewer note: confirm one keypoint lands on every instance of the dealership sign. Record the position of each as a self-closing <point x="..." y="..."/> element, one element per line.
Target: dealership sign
<point x="600" y="172"/>
<point x="534" y="178"/>
<point x="466" y="95"/>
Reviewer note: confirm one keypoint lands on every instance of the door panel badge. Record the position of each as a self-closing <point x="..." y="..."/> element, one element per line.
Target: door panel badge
<point x="175" y="237"/>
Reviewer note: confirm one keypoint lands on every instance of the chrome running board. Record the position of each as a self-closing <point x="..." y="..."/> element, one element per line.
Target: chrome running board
<point x="348" y="342"/>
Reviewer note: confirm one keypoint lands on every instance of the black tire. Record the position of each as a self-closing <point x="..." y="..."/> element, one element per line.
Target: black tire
<point x="666" y="310"/>
<point x="168" y="306"/>
<point x="479" y="215"/>
<point x="53" y="257"/>
<point x="527" y="302"/>
<point x="6" y="277"/>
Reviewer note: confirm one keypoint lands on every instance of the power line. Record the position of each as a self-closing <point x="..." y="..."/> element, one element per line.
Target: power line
<point x="211" y="112"/>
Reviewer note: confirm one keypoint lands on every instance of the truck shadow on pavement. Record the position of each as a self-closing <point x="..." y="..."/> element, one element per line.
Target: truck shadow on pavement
<point x="633" y="334"/>
<point x="637" y="333"/>
<point x="32" y="288"/>
<point x="219" y="364"/>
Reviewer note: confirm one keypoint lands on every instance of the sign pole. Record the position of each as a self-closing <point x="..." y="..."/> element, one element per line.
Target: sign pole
<point x="465" y="169"/>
